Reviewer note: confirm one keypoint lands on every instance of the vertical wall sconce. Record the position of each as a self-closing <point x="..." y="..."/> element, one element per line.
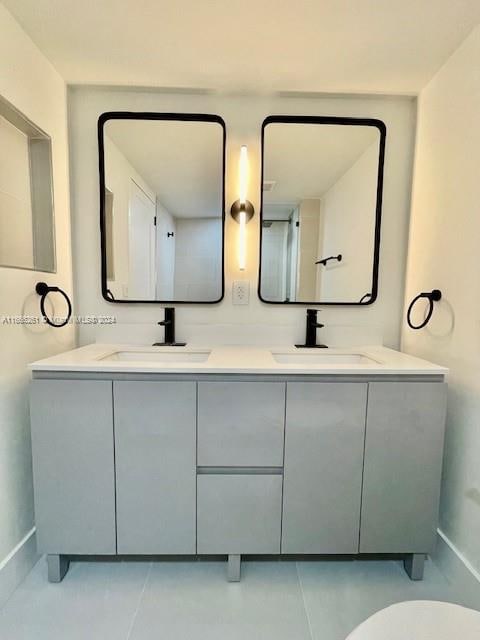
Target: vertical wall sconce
<point x="242" y="210"/>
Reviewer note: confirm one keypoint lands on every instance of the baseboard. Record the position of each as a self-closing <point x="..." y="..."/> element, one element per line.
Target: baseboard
<point x="17" y="565"/>
<point x="457" y="570"/>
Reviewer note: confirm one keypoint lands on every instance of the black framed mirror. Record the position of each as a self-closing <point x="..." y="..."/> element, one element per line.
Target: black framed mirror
<point x="162" y="207"/>
<point x="321" y="207"/>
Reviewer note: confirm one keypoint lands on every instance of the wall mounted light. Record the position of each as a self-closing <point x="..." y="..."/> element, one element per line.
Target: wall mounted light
<point x="242" y="210"/>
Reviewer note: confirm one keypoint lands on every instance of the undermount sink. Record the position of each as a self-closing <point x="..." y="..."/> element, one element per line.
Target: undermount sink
<point x="324" y="358"/>
<point x="152" y="355"/>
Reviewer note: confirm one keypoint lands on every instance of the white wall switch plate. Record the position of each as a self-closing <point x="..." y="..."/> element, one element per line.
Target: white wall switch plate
<point x="241" y="292"/>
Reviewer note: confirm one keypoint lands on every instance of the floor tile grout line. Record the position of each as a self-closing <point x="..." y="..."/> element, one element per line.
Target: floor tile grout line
<point x="139" y="601"/>
<point x="310" y="630"/>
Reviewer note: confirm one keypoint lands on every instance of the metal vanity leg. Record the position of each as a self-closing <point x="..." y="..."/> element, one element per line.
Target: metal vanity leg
<point x="57" y="567"/>
<point x="233" y="570"/>
<point x="414" y="565"/>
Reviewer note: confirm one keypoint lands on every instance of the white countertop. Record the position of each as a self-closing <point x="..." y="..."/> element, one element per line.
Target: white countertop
<point x="237" y="360"/>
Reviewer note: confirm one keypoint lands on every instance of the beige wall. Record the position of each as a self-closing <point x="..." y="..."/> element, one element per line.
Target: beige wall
<point x="444" y="254"/>
<point x="31" y="84"/>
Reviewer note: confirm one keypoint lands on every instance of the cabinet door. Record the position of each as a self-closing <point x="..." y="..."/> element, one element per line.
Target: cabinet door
<point x="324" y="441"/>
<point x="239" y="513"/>
<point x="72" y="445"/>
<point x="403" y="462"/>
<point x="241" y="424"/>
<point x="155" y="441"/>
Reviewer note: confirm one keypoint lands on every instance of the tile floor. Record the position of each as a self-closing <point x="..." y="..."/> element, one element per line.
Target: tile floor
<point x="180" y="600"/>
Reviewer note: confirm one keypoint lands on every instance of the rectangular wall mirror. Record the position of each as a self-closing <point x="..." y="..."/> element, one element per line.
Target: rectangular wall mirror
<point x="322" y="183"/>
<point x="162" y="181"/>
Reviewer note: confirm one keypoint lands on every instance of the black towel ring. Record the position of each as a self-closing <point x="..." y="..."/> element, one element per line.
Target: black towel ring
<point x="43" y="289"/>
<point x="433" y="296"/>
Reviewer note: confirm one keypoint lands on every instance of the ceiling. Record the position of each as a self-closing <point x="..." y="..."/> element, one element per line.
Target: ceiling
<point x="389" y="46"/>
<point x="182" y="162"/>
<point x="305" y="160"/>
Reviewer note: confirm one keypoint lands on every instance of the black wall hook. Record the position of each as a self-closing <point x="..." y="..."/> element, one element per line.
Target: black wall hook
<point x="432" y="296"/>
<point x="43" y="289"/>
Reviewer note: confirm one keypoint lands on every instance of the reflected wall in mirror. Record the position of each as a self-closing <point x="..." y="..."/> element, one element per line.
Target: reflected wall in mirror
<point x="321" y="209"/>
<point x="162" y="207"/>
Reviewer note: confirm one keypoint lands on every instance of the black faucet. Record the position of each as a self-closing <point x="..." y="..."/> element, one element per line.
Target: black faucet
<point x="169" y="323"/>
<point x="311" y="331"/>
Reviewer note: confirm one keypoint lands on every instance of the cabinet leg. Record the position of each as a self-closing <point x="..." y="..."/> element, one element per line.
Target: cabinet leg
<point x="233" y="570"/>
<point x="57" y="567"/>
<point x="414" y="565"/>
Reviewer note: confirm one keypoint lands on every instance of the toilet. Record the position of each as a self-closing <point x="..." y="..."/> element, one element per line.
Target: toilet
<point x="420" y="620"/>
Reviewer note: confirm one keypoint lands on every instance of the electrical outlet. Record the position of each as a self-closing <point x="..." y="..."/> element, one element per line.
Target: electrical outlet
<point x="241" y="292"/>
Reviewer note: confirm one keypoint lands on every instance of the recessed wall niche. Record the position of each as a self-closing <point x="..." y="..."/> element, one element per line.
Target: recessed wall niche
<point x="27" y="232"/>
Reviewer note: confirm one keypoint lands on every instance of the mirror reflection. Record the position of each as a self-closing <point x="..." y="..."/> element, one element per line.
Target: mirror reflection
<point x="163" y="208"/>
<point x="321" y="207"/>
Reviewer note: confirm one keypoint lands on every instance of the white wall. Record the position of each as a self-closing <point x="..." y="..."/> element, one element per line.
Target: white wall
<point x="119" y="174"/>
<point x="29" y="82"/>
<point x="444" y="254"/>
<point x="256" y="322"/>
<point x="165" y="253"/>
<point x="16" y="229"/>
<point x="348" y="213"/>
<point x="198" y="256"/>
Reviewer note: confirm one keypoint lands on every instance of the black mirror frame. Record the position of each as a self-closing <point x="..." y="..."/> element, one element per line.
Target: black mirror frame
<point x="147" y="115"/>
<point x="365" y="122"/>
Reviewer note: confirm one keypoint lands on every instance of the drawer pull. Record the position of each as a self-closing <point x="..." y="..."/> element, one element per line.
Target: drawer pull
<point x="239" y="471"/>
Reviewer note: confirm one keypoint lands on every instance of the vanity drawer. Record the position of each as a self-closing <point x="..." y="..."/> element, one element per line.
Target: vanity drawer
<point x="241" y="424"/>
<point x="239" y="513"/>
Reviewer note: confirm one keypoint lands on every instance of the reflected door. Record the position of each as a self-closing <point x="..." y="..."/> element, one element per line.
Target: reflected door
<point x="141" y="240"/>
<point x="274" y="275"/>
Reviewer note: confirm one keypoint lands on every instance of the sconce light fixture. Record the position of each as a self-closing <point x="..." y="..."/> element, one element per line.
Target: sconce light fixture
<point x="242" y="210"/>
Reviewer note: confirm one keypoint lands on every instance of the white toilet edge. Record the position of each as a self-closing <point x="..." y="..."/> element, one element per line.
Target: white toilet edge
<point x="420" y="620"/>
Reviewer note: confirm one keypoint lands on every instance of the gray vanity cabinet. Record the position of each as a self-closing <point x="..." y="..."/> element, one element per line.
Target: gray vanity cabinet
<point x="183" y="466"/>
<point x="324" y="441"/>
<point x="403" y="464"/>
<point x="240" y="458"/>
<point x="155" y="463"/>
<point x="73" y="466"/>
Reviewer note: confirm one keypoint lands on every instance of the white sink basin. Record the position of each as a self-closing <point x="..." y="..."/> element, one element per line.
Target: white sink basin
<point x="324" y="358"/>
<point x="155" y="355"/>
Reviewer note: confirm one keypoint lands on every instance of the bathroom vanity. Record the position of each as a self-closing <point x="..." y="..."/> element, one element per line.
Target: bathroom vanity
<point x="236" y="450"/>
